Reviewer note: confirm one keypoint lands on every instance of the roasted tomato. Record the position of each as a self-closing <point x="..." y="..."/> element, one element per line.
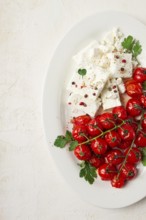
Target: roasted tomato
<point x="99" y="146"/>
<point x="119" y="113"/>
<point x="139" y="74"/>
<point x="94" y="127"/>
<point x="143" y="123"/>
<point x="128" y="171"/>
<point x="96" y="161"/>
<point x="80" y="133"/>
<point x="118" y="181"/>
<point x="125" y="144"/>
<point x="82" y="152"/>
<point x="113" y="139"/>
<point x="126" y="132"/>
<point x="133" y="89"/>
<point x="133" y="156"/>
<point x="134" y="107"/>
<point x="114" y="157"/>
<point x="143" y="100"/>
<point x="141" y="139"/>
<point x="107" y="120"/>
<point x="107" y="171"/>
<point x="81" y="120"/>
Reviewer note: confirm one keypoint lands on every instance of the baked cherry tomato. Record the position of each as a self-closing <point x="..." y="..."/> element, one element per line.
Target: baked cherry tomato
<point x="143" y="100"/>
<point x="141" y="139"/>
<point x="126" y="132"/>
<point x="125" y="144"/>
<point x="81" y="120"/>
<point x="118" y="181"/>
<point x="133" y="107"/>
<point x="99" y="146"/>
<point x="139" y="74"/>
<point x="129" y="171"/>
<point x="143" y="123"/>
<point x="131" y="121"/>
<point x="114" y="157"/>
<point x="133" y="156"/>
<point x="107" y="171"/>
<point x="82" y="152"/>
<point x="94" y="127"/>
<point x="119" y="113"/>
<point x="113" y="139"/>
<point x="134" y="89"/>
<point x="96" y="161"/>
<point x="107" y="120"/>
<point x="79" y="133"/>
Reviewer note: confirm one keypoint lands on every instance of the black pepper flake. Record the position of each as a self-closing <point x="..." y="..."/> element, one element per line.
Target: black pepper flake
<point x="69" y="103"/>
<point x="109" y="89"/>
<point x="85" y="95"/>
<point x="122" y="69"/>
<point x="94" y="94"/>
<point x="73" y="83"/>
<point x="117" y="57"/>
<point x="96" y="88"/>
<point x="115" y="91"/>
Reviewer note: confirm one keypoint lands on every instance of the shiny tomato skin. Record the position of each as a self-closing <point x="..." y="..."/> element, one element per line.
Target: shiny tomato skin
<point x="134" y="89"/>
<point x="133" y="107"/>
<point x="106" y="171"/>
<point x="143" y="100"/>
<point x="143" y="123"/>
<point x="139" y="74"/>
<point x="118" y="181"/>
<point x="114" y="157"/>
<point x="129" y="171"/>
<point x="107" y="120"/>
<point x="113" y="139"/>
<point x="78" y="133"/>
<point x="141" y="139"/>
<point x="126" y="132"/>
<point x="125" y="144"/>
<point x="82" y="152"/>
<point x="96" y="161"/>
<point x="99" y="146"/>
<point x="94" y="128"/>
<point x="81" y="120"/>
<point x="119" y="113"/>
<point x="131" y="121"/>
<point x="133" y="156"/>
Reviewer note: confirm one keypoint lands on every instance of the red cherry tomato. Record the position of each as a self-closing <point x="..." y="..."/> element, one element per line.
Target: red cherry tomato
<point x="114" y="157"/>
<point x="134" y="89"/>
<point x="125" y="144"/>
<point x="129" y="171"/>
<point x="99" y="146"/>
<point x="96" y="161"/>
<point x="143" y="100"/>
<point x="79" y="133"/>
<point x="94" y="128"/>
<point x="119" y="113"/>
<point x="131" y="121"/>
<point x="107" y="120"/>
<point x="139" y="74"/>
<point x="81" y="120"/>
<point x="133" y="107"/>
<point x="82" y="152"/>
<point x="126" y="132"/>
<point x="141" y="139"/>
<point x="143" y="123"/>
<point x="133" y="156"/>
<point x="118" y="181"/>
<point x="106" y="171"/>
<point x="113" y="139"/>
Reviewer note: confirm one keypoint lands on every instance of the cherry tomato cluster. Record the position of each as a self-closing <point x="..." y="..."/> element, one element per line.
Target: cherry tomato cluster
<point x="112" y="141"/>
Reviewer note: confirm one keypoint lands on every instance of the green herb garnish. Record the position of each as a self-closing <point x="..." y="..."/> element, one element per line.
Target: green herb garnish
<point x="144" y="156"/>
<point x="88" y="172"/>
<point x="82" y="72"/>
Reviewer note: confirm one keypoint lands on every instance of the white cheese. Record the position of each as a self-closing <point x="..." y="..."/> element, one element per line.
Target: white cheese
<point x="120" y="64"/>
<point x="110" y="95"/>
<point x="120" y="85"/>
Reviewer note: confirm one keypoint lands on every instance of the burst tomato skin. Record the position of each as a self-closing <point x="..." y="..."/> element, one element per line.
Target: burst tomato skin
<point x="118" y="181"/>
<point x="94" y="127"/>
<point x="125" y="144"/>
<point x="114" y="157"/>
<point x="106" y="171"/>
<point x="143" y="123"/>
<point x="96" y="161"/>
<point x="126" y="132"/>
<point x="129" y="171"/>
<point x="81" y="120"/>
<point x="134" y="89"/>
<point x="139" y="74"/>
<point x="119" y="112"/>
<point x="133" y="107"/>
<point x="107" y="120"/>
<point x="82" y="152"/>
<point x="134" y="156"/>
<point x="141" y="139"/>
<point x="143" y="100"/>
<point x="132" y="122"/>
<point x="78" y="133"/>
<point x="99" y="146"/>
<point x="113" y="139"/>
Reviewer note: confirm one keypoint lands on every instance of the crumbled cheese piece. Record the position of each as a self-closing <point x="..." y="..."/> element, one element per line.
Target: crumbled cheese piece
<point x="120" y="85"/>
<point x="120" y="64"/>
<point x="110" y="95"/>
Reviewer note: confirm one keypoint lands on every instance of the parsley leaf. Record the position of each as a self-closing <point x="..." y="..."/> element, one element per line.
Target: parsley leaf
<point x="132" y="45"/>
<point x="82" y="72"/>
<point x="68" y="136"/>
<point x="60" y="141"/>
<point x="144" y="85"/>
<point x="73" y="145"/>
<point x="88" y="172"/>
<point x="144" y="156"/>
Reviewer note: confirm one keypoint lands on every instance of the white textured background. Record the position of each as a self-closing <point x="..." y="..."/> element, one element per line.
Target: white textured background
<point x="30" y="186"/>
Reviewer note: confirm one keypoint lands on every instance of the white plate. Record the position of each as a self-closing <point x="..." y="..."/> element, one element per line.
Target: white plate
<point x="100" y="193"/>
